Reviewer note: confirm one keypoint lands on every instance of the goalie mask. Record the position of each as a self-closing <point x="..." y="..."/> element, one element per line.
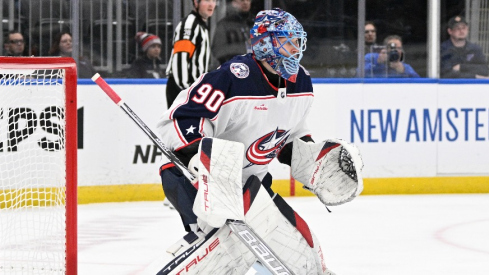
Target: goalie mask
<point x="273" y="30"/>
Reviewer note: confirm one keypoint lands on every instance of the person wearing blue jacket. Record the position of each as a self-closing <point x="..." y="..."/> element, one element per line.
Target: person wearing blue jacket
<point x="389" y="62"/>
<point x="460" y="58"/>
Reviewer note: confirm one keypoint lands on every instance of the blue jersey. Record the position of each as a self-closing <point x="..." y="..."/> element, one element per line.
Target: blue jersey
<point x="236" y="102"/>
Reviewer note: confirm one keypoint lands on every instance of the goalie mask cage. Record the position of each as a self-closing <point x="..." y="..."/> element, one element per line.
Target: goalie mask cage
<point x="38" y="175"/>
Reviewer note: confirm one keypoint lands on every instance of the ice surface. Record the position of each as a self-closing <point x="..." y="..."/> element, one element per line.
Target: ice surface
<point x="415" y="234"/>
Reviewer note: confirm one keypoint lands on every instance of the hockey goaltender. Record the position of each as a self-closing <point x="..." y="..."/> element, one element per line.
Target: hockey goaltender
<point x="227" y="127"/>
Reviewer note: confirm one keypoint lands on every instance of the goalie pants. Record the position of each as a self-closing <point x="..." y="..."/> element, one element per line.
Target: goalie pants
<point x="181" y="193"/>
<point x="266" y="213"/>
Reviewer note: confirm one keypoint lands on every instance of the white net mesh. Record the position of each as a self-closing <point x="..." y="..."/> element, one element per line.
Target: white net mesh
<point x="32" y="172"/>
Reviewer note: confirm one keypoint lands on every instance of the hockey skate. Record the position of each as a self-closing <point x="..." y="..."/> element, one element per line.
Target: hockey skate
<point x="191" y="238"/>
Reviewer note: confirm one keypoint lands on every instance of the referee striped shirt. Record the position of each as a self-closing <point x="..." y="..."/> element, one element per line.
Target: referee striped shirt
<point x="191" y="50"/>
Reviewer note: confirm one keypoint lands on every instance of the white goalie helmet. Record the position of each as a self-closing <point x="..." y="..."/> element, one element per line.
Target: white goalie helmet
<point x="270" y="25"/>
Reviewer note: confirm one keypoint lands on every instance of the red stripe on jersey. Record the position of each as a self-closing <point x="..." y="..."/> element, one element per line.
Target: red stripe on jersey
<point x="193" y="141"/>
<point x="302" y="226"/>
<point x="248" y="98"/>
<point x="301" y="94"/>
<point x="166" y="166"/>
<point x="262" y="97"/>
<point x="180" y="135"/>
<point x="201" y="130"/>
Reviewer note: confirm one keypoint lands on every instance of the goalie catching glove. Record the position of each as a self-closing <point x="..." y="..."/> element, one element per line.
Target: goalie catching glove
<point x="330" y="169"/>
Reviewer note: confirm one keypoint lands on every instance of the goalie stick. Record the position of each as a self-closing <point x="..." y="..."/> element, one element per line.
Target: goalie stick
<point x="257" y="246"/>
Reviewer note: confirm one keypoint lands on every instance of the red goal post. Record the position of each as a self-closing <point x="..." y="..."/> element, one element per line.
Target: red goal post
<point x="38" y="165"/>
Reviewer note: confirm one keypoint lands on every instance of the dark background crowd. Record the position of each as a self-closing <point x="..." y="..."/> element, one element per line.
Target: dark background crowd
<point x="109" y="43"/>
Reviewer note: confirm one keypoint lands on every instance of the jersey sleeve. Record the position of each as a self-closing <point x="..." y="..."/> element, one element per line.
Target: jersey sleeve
<point x="184" y="47"/>
<point x="194" y="112"/>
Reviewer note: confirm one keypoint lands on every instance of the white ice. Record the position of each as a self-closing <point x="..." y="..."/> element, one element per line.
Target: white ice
<point x="415" y="234"/>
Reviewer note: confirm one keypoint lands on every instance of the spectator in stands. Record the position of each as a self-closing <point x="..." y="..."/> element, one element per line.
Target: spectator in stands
<point x="232" y="36"/>
<point x="62" y="46"/>
<point x="14" y="44"/>
<point x="149" y="64"/>
<point x="370" y="37"/>
<point x="191" y="49"/>
<point x="389" y="62"/>
<point x="460" y="58"/>
<point x="345" y="58"/>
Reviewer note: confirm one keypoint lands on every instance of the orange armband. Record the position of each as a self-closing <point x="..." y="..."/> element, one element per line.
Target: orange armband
<point x="184" y="46"/>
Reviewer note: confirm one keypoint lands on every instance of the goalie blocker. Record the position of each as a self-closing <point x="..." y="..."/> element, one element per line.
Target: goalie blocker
<point x="330" y="169"/>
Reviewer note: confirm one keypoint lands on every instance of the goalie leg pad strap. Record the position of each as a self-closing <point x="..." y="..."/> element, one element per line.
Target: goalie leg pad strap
<point x="294" y="219"/>
<point x="301" y="226"/>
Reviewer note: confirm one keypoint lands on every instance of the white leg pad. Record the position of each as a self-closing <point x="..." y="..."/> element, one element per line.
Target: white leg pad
<point x="284" y="238"/>
<point x="220" y="254"/>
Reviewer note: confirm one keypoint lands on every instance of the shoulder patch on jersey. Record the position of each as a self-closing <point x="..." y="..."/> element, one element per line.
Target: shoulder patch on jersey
<point x="240" y="70"/>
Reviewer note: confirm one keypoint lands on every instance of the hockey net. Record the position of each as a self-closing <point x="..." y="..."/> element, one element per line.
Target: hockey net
<point x="38" y="166"/>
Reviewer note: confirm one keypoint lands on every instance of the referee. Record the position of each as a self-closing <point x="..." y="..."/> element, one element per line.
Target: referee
<point x="191" y="49"/>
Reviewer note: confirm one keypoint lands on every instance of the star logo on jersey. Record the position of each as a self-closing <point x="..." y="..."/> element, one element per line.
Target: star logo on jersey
<point x="190" y="129"/>
<point x="240" y="70"/>
<point x="266" y="148"/>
